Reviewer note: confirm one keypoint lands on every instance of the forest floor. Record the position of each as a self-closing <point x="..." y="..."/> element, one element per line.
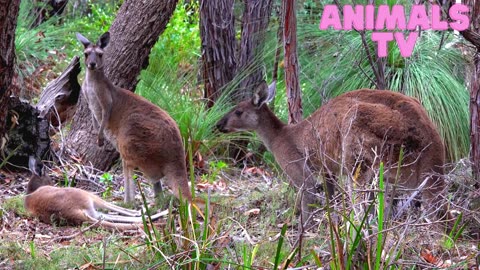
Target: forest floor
<point x="251" y="205"/>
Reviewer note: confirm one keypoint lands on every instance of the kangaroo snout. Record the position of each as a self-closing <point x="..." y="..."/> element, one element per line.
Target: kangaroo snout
<point x="92" y="66"/>
<point x="221" y="125"/>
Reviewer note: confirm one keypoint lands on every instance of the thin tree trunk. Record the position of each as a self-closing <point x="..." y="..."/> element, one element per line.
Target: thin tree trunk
<point x="278" y="51"/>
<point x="294" y="94"/>
<point x="133" y="33"/>
<point x="473" y="35"/>
<point x="217" y="31"/>
<point x="256" y="16"/>
<point x="475" y="116"/>
<point x="8" y="23"/>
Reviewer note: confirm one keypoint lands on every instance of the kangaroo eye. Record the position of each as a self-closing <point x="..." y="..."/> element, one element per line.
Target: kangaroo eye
<point x="86" y="55"/>
<point x="238" y="113"/>
<point x="100" y="55"/>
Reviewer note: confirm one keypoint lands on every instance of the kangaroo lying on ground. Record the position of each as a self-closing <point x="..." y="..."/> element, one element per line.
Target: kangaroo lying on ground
<point x="146" y="137"/>
<point x="348" y="135"/>
<point x="74" y="206"/>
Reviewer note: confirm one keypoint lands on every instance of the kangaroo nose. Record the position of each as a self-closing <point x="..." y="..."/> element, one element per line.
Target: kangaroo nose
<point x="92" y="65"/>
<point x="221" y="125"/>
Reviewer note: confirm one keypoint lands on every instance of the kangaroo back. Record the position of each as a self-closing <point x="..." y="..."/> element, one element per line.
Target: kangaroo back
<point x="350" y="135"/>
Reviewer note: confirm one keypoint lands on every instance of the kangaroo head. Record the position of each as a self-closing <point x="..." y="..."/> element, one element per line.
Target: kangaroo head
<point x="38" y="179"/>
<point x="246" y="115"/>
<point x="94" y="52"/>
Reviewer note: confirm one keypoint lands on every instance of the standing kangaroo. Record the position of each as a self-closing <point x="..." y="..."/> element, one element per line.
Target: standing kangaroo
<point x="146" y="137"/>
<point x="73" y="205"/>
<point x="348" y="135"/>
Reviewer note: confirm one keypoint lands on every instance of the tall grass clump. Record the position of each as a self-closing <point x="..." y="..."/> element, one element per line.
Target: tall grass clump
<point x="334" y="62"/>
<point x="360" y="231"/>
<point x="35" y="46"/>
<point x="171" y="82"/>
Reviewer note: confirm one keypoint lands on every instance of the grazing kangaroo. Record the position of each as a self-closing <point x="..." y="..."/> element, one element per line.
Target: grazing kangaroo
<point x="73" y="205"/>
<point x="146" y="137"/>
<point x="348" y="135"/>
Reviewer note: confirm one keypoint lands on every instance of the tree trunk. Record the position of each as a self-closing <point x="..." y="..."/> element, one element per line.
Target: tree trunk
<point x="133" y="33"/>
<point x="217" y="31"/>
<point x="256" y="15"/>
<point x="473" y="35"/>
<point x="58" y="101"/>
<point x="475" y="116"/>
<point x="8" y="23"/>
<point x="255" y="22"/>
<point x="294" y="94"/>
<point x="27" y="136"/>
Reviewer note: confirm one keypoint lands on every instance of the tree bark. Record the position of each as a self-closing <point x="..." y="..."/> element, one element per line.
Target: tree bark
<point x="475" y="116"/>
<point x="28" y="134"/>
<point x="294" y="93"/>
<point x="473" y="35"/>
<point x="8" y="23"/>
<point x="255" y="19"/>
<point x="58" y="101"/>
<point x="217" y="31"/>
<point x="133" y="33"/>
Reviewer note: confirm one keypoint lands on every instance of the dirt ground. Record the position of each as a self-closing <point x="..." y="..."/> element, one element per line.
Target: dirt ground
<point x="254" y="203"/>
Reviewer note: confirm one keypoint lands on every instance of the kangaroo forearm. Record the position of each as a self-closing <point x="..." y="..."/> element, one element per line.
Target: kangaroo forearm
<point x="105" y="118"/>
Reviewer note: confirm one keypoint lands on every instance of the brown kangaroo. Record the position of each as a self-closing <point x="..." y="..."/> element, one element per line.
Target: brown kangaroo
<point x="349" y="134"/>
<point x="74" y="206"/>
<point x="146" y="137"/>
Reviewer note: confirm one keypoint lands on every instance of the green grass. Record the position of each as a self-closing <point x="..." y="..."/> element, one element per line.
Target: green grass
<point x="16" y="205"/>
<point x="74" y="255"/>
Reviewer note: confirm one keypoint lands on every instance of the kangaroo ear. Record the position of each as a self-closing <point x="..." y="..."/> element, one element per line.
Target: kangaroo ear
<point x="104" y="40"/>
<point x="264" y="93"/>
<point x="35" y="166"/>
<point x="83" y="40"/>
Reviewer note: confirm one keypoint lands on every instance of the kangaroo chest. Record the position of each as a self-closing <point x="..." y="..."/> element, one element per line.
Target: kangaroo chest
<point x="99" y="97"/>
<point x="92" y="101"/>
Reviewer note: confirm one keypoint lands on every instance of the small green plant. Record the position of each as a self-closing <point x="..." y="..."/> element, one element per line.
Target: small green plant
<point x="107" y="180"/>
<point x="215" y="168"/>
<point x="449" y="240"/>
<point x="279" y="246"/>
<point x="32" y="250"/>
<point x="380" y="214"/>
<point x="249" y="256"/>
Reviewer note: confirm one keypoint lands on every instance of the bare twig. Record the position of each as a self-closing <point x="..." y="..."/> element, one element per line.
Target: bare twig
<point x="69" y="237"/>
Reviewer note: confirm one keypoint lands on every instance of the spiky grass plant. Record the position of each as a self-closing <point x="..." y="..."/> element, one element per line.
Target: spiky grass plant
<point x="170" y="81"/>
<point x="35" y="46"/>
<point x="334" y="62"/>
